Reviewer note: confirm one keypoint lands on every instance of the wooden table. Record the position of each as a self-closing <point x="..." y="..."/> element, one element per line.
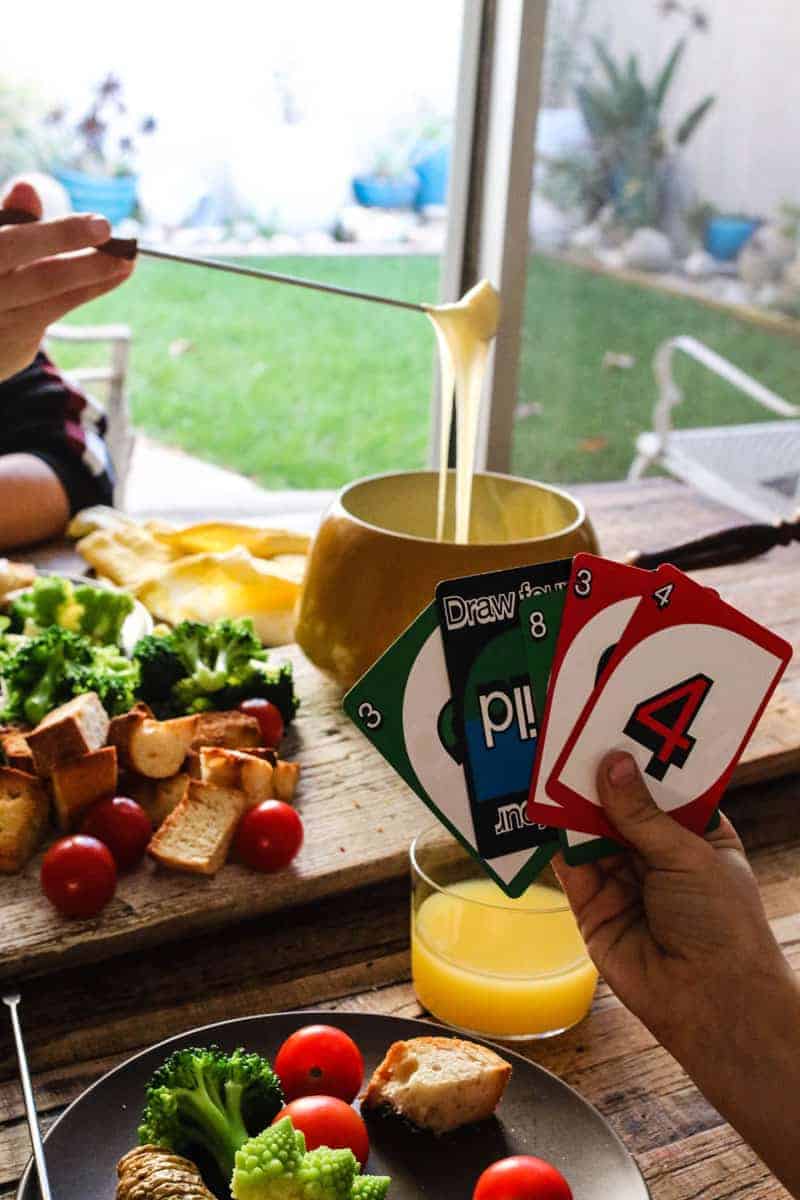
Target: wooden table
<point x="352" y="953"/>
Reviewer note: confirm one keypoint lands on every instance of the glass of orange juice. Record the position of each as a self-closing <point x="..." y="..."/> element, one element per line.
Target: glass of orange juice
<point x="487" y="964"/>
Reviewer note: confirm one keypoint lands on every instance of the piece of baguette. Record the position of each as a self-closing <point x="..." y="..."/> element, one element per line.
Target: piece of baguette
<point x="232" y="729"/>
<point x="24" y="809"/>
<point x="79" y="783"/>
<point x="238" y="769"/>
<point x="196" y="836"/>
<point x="149" y="747"/>
<point x="438" y="1083"/>
<point x="284" y="780"/>
<point x="78" y="727"/>
<point x="18" y="753"/>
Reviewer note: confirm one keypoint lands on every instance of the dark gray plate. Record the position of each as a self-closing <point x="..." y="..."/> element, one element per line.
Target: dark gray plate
<point x="538" y="1115"/>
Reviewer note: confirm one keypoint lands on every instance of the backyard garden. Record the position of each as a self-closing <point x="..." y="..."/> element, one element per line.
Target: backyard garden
<point x="299" y="390"/>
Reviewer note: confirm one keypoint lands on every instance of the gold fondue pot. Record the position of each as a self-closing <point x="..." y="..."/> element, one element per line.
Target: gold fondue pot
<point x="375" y="563"/>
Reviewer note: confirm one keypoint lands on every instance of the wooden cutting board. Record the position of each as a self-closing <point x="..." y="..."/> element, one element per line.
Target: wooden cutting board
<point x="359" y="818"/>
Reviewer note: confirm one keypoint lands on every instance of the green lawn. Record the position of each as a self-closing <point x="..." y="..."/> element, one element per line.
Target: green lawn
<point x="303" y="390"/>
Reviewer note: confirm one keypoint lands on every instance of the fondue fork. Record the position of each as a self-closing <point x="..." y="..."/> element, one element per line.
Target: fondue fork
<point x="129" y="248"/>
<point x="12" y="1000"/>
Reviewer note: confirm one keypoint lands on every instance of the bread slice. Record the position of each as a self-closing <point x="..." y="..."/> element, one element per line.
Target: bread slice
<point x="17" y="752"/>
<point x="24" y="808"/>
<point x="439" y="1083"/>
<point x="79" y="783"/>
<point x="149" y="747"/>
<point x="196" y="836"/>
<point x="234" y="730"/>
<point x="75" y="728"/>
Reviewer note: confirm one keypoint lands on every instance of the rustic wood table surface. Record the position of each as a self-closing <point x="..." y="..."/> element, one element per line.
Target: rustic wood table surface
<point x="352" y="952"/>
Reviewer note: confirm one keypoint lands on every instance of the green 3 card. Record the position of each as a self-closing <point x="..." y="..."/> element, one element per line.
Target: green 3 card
<point x="403" y="706"/>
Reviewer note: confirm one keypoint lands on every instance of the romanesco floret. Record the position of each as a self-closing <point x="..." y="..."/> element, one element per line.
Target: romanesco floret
<point x="275" y="1166"/>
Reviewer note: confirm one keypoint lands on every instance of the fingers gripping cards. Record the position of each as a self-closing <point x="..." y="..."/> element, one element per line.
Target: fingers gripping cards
<point x="498" y="703"/>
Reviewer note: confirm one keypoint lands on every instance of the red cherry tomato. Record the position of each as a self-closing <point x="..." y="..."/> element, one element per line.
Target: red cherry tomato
<point x="522" y="1178"/>
<point x="122" y="825"/>
<point x="269" y="719"/>
<point x="320" y="1060"/>
<point x="327" y="1121"/>
<point x="269" y="836"/>
<point x="78" y="876"/>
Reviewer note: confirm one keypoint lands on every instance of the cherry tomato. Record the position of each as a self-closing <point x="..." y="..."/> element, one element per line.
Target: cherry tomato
<point x="79" y="876"/>
<point x="327" y="1121"/>
<point x="269" y="719"/>
<point x="320" y="1060"/>
<point x="522" y="1178"/>
<point x="269" y="836"/>
<point x="122" y="825"/>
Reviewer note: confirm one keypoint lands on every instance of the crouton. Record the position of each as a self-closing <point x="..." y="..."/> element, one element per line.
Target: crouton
<point x="234" y="730"/>
<point x="18" y="753"/>
<point x="157" y="797"/>
<point x="238" y="769"/>
<point x="79" y="783"/>
<point x="78" y="727"/>
<point x="284" y="780"/>
<point x="149" y="747"/>
<point x="438" y="1083"/>
<point x="196" y="836"/>
<point x="24" y="808"/>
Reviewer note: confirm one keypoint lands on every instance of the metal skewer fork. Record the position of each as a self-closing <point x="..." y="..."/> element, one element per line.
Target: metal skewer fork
<point x="130" y="248"/>
<point x="12" y="1001"/>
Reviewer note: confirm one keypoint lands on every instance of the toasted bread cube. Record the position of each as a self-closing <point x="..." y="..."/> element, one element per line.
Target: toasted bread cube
<point x="168" y="795"/>
<point x="152" y="748"/>
<point x="197" y="835"/>
<point x="438" y="1083"/>
<point x="192" y="766"/>
<point x="284" y="780"/>
<point x="239" y="769"/>
<point x="234" y="730"/>
<point x="79" y="783"/>
<point x="78" y="727"/>
<point x="17" y="751"/>
<point x="24" y="808"/>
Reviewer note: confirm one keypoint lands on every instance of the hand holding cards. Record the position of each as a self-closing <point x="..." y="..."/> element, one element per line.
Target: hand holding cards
<point x="498" y="713"/>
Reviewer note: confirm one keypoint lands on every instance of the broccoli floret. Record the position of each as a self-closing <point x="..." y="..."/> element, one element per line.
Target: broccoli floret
<point x="45" y="604"/>
<point x="370" y="1187"/>
<point x="160" y="669"/>
<point x="197" y="667"/>
<point x="43" y="673"/>
<point x="275" y="1166"/>
<point x="205" y="1099"/>
<point x="103" y="613"/>
<point x="114" y="677"/>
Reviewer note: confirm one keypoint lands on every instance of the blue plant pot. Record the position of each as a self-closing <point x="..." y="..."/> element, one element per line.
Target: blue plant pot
<point x="379" y="191"/>
<point x="114" y="197"/>
<point x="725" y="236"/>
<point x="433" y="170"/>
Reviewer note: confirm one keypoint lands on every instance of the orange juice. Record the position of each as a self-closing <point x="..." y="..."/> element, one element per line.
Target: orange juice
<point x="501" y="967"/>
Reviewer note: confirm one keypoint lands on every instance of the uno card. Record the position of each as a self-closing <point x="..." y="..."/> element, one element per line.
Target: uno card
<point x="493" y="699"/>
<point x="580" y="848"/>
<point x="402" y="705"/>
<point x="682" y="692"/>
<point x="540" y="621"/>
<point x="600" y="600"/>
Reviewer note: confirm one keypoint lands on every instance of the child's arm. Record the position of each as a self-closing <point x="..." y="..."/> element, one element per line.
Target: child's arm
<point x="42" y="278"/>
<point x="33" y="503"/>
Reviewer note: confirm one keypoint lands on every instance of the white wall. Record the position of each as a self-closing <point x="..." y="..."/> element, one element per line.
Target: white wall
<point x="746" y="155"/>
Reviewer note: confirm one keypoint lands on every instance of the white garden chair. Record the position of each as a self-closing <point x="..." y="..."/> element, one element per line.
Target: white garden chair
<point x="113" y="375"/>
<point x="753" y="468"/>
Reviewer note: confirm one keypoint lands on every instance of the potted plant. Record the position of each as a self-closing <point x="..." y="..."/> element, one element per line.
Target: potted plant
<point x="726" y="233"/>
<point x="389" y="182"/>
<point x="96" y="161"/>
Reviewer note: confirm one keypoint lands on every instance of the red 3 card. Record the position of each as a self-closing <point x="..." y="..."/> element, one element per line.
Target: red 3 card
<point x="682" y="692"/>
<point x="601" y="598"/>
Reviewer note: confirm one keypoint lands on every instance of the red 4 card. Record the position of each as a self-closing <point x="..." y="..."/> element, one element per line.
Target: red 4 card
<point x="602" y="597"/>
<point x="682" y="692"/>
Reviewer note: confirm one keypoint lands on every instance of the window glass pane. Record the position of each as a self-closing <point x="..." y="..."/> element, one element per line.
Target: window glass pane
<point x="265" y="115"/>
<point x="665" y="203"/>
